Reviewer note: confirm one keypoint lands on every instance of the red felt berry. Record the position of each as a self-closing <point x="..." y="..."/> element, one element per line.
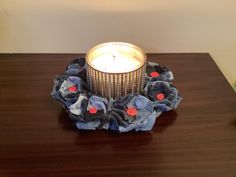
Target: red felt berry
<point x="132" y="111"/>
<point x="93" y="110"/>
<point x="160" y="96"/>
<point x="72" y="89"/>
<point x="154" y="74"/>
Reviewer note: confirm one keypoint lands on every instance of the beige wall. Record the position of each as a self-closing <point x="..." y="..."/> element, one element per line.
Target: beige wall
<point x="154" y="25"/>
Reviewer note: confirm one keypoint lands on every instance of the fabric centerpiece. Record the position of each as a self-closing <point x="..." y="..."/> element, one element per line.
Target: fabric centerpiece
<point x="136" y="111"/>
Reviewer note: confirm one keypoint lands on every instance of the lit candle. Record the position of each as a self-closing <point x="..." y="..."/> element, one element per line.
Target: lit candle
<point x="115" y="69"/>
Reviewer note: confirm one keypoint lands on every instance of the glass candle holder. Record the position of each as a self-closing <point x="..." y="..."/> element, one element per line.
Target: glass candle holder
<point x="115" y="69"/>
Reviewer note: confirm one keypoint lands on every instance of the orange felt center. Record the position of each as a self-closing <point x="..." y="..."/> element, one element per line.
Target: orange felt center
<point x="154" y="74"/>
<point x="132" y="111"/>
<point x="93" y="110"/>
<point x="72" y="88"/>
<point x="160" y="96"/>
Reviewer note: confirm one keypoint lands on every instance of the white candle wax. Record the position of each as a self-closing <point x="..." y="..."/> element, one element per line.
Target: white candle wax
<point x="115" y="63"/>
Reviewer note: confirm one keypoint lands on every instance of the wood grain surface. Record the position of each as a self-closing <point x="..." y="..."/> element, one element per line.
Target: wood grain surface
<point x="38" y="139"/>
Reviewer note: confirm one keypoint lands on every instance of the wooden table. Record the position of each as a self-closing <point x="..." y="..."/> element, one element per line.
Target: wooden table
<point x="38" y="139"/>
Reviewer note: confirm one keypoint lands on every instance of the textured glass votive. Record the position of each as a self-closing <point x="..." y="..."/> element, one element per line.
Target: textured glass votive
<point x="115" y="69"/>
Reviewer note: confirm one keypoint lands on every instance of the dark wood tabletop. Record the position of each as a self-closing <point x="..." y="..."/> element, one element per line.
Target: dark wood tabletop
<point x="38" y="139"/>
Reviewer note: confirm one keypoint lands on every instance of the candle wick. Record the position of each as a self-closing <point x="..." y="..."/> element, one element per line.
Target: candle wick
<point x="114" y="57"/>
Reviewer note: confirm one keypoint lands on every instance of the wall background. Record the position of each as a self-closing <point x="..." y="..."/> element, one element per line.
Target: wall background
<point x="74" y="26"/>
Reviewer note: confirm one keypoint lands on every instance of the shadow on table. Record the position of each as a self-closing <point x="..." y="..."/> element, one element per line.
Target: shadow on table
<point x="101" y="138"/>
<point x="164" y="121"/>
<point x="233" y="122"/>
<point x="65" y="121"/>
